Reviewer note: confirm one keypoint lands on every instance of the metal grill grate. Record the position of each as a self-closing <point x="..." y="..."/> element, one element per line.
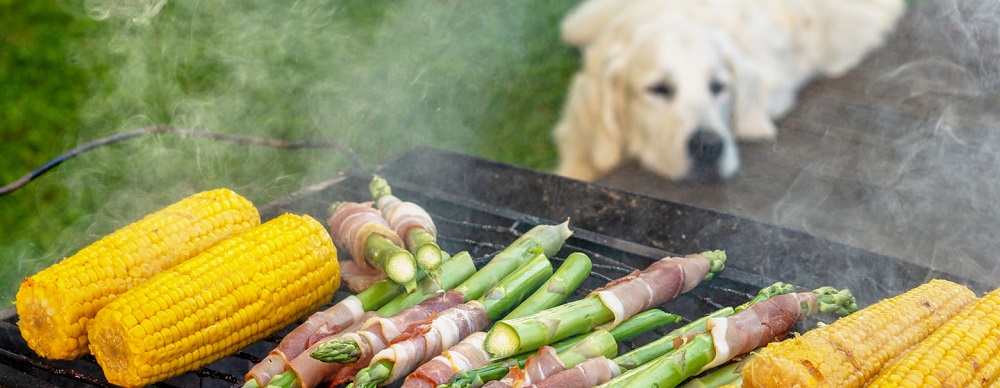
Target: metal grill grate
<point x="465" y="223"/>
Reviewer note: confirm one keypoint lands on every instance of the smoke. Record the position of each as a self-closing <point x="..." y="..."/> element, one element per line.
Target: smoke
<point x="382" y="77"/>
<point x="927" y="153"/>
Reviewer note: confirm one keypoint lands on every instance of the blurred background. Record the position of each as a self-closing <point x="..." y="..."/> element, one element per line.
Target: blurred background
<point x="484" y="78"/>
<point x="901" y="156"/>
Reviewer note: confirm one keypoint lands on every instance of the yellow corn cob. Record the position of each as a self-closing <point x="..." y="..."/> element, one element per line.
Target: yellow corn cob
<point x="235" y="293"/>
<point x="852" y="350"/>
<point x="964" y="352"/>
<point x="55" y="305"/>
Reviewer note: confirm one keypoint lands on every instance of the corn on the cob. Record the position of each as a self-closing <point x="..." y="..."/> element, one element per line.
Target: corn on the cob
<point x="964" y="352"/>
<point x="233" y="294"/>
<point x="56" y="304"/>
<point x="852" y="350"/>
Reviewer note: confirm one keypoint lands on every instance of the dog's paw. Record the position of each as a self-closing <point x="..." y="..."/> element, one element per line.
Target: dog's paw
<point x="758" y="127"/>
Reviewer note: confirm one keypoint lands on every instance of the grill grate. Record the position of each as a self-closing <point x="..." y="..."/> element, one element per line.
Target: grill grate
<point x="466" y="222"/>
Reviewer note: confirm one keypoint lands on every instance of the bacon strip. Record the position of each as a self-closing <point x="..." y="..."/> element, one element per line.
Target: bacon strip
<point x="374" y="335"/>
<point x="340" y="316"/>
<point x="595" y="371"/>
<point x="537" y="367"/>
<point x="443" y="332"/>
<point x="352" y="223"/>
<point x="358" y="279"/>
<point x="758" y="325"/>
<point x="465" y="356"/>
<point x="403" y="216"/>
<point x="657" y="284"/>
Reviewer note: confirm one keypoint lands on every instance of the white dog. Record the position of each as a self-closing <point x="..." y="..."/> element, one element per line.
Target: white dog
<point x="671" y="83"/>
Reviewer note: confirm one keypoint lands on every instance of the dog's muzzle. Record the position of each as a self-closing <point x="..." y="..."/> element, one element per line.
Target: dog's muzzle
<point x="705" y="149"/>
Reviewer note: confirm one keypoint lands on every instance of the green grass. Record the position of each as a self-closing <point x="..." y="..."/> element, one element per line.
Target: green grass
<point x="485" y="78"/>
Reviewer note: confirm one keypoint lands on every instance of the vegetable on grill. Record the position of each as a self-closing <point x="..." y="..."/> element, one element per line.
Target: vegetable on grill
<point x="728" y="337"/>
<point x="664" y="344"/>
<point x="56" y="304"/>
<point x="660" y="282"/>
<point x="852" y="350"/>
<point x="412" y="223"/>
<point x="374" y="246"/>
<point x="450" y="327"/>
<point x="964" y="352"/>
<point x="726" y="375"/>
<point x="235" y="293"/>
<point x="468" y="354"/>
<point x="589" y="373"/>
<point x="346" y="313"/>
<point x="573" y="271"/>
<point x="548" y="361"/>
<point x="638" y="324"/>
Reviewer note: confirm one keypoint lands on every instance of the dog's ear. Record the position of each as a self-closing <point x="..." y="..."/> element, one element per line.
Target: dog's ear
<point x="584" y="23"/>
<point x="589" y="135"/>
<point x="751" y="94"/>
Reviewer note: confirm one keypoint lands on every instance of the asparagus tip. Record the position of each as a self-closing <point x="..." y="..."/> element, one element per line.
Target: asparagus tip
<point x="373" y="375"/>
<point x="839" y="302"/>
<point x="341" y="351"/>
<point x="766" y="293"/>
<point x="717" y="258"/>
<point x="379" y="187"/>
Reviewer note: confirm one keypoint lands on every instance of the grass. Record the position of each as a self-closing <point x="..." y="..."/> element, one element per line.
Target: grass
<point x="485" y="78"/>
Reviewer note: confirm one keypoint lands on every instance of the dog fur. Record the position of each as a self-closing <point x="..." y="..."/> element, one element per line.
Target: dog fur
<point x="656" y="72"/>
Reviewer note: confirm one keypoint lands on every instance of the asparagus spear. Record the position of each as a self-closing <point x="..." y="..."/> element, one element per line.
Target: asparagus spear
<point x="567" y="278"/>
<point x="412" y="223"/>
<point x="457" y="269"/>
<point x="516" y="286"/>
<point x="345" y="350"/>
<point x="499" y="299"/>
<point x="461" y="269"/>
<point x="662" y="345"/>
<point x="729" y="374"/>
<point x="701" y="351"/>
<point x="638" y="324"/>
<point x="513" y="336"/>
<point x="544" y="239"/>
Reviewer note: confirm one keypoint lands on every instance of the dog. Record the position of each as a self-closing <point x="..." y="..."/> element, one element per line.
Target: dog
<point x="674" y="84"/>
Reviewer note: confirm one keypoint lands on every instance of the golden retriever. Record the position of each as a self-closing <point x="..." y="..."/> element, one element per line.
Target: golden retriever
<point x="674" y="83"/>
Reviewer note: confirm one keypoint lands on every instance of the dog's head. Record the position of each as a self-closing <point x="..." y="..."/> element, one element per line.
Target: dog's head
<point x="664" y="92"/>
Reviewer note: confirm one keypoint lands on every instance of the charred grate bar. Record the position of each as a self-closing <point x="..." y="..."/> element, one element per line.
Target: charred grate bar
<point x="481" y="206"/>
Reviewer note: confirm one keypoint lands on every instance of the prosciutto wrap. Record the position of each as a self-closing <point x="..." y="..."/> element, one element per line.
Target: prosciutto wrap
<point x="352" y="223"/>
<point x="662" y="281"/>
<point x="341" y="316"/>
<point x="537" y="367"/>
<point x="403" y="216"/>
<point x="467" y="355"/>
<point x="595" y="371"/>
<point x="430" y="339"/>
<point x="374" y="335"/>
<point x="758" y="325"/>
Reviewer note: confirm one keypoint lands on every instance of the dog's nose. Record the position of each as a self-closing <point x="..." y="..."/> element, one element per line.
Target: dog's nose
<point x="705" y="148"/>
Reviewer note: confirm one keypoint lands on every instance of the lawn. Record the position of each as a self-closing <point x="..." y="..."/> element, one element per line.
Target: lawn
<point x="485" y="78"/>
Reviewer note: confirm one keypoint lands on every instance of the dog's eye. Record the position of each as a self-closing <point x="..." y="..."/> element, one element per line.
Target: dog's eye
<point x="662" y="89"/>
<point x="716" y="87"/>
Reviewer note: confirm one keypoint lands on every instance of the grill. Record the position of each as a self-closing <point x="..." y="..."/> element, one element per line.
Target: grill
<point x="479" y="206"/>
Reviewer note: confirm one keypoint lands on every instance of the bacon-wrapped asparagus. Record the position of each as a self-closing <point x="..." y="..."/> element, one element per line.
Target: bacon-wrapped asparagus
<point x="548" y="361"/>
<point x="411" y="222"/>
<point x="589" y="373"/>
<point x="375" y="247"/>
<point x="732" y="336"/>
<point x="638" y="324"/>
<point x="444" y="331"/>
<point x="347" y="313"/>
<point x="619" y="300"/>
<point x="664" y="344"/>
<point x="469" y="353"/>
